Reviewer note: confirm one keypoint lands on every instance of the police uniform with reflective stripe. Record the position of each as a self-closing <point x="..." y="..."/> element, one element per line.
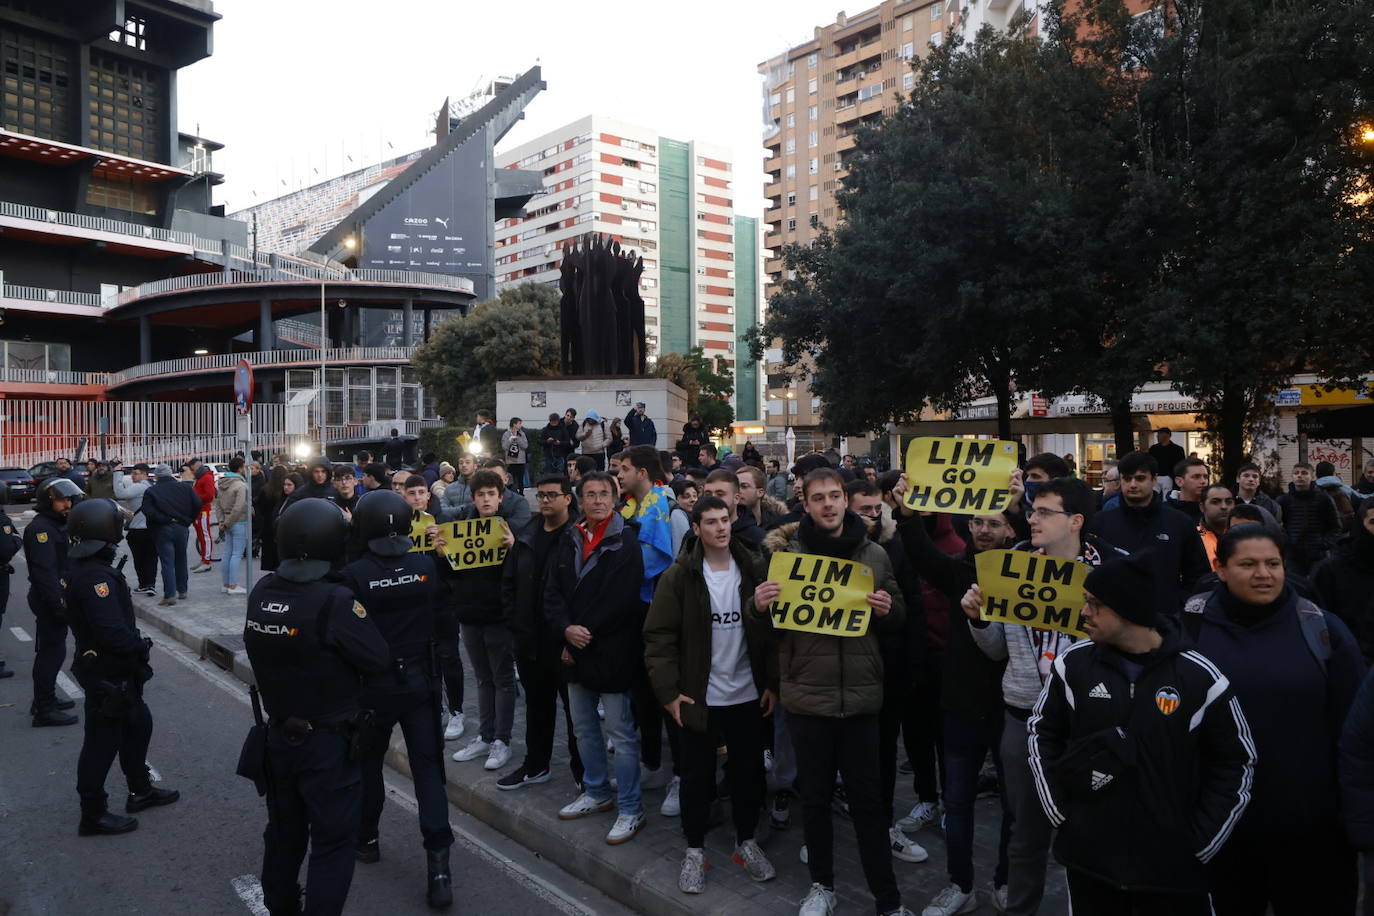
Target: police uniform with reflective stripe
<point x="400" y="594"/>
<point x="308" y="644"/>
<point x="45" y="555"/>
<point x="111" y="665"/>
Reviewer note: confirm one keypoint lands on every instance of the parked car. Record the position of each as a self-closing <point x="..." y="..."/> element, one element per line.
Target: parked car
<point x="17" y="485"/>
<point x="45" y="469"/>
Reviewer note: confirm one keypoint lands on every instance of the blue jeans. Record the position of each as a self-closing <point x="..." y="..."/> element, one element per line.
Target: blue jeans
<point x="171" y="555"/>
<point x="620" y="726"/>
<point x="968" y="739"/>
<point x="235" y="543"/>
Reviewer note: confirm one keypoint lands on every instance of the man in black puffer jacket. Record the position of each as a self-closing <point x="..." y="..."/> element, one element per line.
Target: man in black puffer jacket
<point x="1142" y="757"/>
<point x="1310" y="520"/>
<point x="1344" y="581"/>
<point x="1142" y="520"/>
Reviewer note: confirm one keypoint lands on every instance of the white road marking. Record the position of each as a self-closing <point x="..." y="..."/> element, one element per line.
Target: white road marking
<point x="153" y="774"/>
<point x="250" y="892"/>
<point x="69" y="687"/>
<point x="543" y="889"/>
<point x="20" y="635"/>
<point x="247" y="886"/>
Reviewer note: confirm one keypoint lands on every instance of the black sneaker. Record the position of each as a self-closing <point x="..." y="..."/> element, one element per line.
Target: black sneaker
<point x="367" y="850"/>
<point x="153" y="798"/>
<point x="521" y="778"/>
<point x="840" y="800"/>
<point x="781" y="816"/>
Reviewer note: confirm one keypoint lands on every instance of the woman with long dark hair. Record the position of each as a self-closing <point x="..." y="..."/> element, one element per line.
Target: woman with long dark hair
<point x="1295" y="669"/>
<point x="280" y="485"/>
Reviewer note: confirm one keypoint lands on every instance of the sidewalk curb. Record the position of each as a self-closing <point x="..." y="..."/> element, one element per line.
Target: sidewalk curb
<point x="623" y="879"/>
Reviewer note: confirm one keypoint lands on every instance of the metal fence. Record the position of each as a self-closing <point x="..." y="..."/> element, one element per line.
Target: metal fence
<point x="32" y="431"/>
<point x="262" y="359"/>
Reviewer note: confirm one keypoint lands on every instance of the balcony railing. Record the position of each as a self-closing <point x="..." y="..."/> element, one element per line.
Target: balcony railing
<point x="57" y="296"/>
<point x="97" y="223"/>
<point x="299" y="272"/>
<point x="52" y="377"/>
<point x="268" y="359"/>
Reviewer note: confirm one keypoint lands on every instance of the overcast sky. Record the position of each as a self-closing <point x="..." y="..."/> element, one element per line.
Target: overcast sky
<point x="295" y="87"/>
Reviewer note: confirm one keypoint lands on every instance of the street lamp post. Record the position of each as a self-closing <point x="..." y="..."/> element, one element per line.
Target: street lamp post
<point x="350" y="244"/>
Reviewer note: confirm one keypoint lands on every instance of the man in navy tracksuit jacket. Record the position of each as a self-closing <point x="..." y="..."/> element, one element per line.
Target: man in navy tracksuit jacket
<point x="1141" y="754"/>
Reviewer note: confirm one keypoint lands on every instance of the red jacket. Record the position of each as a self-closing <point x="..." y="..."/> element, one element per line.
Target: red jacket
<point x="205" y="488"/>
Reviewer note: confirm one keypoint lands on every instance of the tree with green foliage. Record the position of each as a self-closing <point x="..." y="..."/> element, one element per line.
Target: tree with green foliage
<point x="1253" y="123"/>
<point x="709" y="384"/>
<point x="514" y="335"/>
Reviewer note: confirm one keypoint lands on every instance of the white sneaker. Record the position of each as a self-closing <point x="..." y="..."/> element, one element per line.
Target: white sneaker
<point x="805" y="859"/>
<point x="922" y="815"/>
<point x="499" y="756"/>
<point x="672" y="805"/>
<point x="583" y="805"/>
<point x="455" y="728"/>
<point x="951" y="901"/>
<point x="903" y="848"/>
<point x="755" y="863"/>
<point x="625" y="828"/>
<point x="818" y="902"/>
<point x="767" y="761"/>
<point x="999" y="898"/>
<point x="203" y="567"/>
<point x="236" y="590"/>
<point x="475" y="749"/>
<point x="654" y="779"/>
<point x="692" y="878"/>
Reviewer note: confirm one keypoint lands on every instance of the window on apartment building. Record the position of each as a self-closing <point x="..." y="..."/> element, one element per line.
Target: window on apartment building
<point x="814" y="192"/>
<point x="908" y="51"/>
<point x="908" y="81"/>
<point x="811" y="87"/>
<point x="811" y="64"/>
<point x="791" y="95"/>
<point x="792" y="225"/>
<point x="791" y="172"/>
<point x="813" y="166"/>
<point x="936" y="9"/>
<point x="907" y="23"/>
<point x="791" y="145"/>
<point x="791" y="198"/>
<point x="815" y="220"/>
<point x="812" y="113"/>
<point x="812" y="139"/>
<point x="775" y="98"/>
<point x="791" y="120"/>
<point x="937" y="39"/>
<point x="647" y="282"/>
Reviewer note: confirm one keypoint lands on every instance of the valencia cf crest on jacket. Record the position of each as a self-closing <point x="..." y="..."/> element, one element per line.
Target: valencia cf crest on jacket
<point x="1167" y="699"/>
<point x="102" y="589"/>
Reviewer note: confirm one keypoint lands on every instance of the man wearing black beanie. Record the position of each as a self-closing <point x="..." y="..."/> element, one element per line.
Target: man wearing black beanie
<point x="1141" y="755"/>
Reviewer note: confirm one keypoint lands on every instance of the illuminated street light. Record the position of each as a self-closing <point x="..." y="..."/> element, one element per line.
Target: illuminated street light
<point x="302" y="450"/>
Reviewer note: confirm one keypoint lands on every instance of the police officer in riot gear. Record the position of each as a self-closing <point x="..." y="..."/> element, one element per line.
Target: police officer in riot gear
<point x="45" y="553"/>
<point x="111" y="665"/>
<point x="309" y="640"/>
<point x="399" y="590"/>
<point x="10" y="545"/>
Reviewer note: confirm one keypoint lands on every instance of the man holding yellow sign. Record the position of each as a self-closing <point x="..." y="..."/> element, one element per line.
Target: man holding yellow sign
<point x="1025" y="609"/>
<point x="832" y="676"/>
<point x="959" y="476"/>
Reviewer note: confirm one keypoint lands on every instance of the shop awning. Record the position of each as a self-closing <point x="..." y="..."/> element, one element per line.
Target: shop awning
<point x="1341" y="423"/>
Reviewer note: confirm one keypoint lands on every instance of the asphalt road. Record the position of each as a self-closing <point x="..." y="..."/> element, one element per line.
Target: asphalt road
<point x="202" y="855"/>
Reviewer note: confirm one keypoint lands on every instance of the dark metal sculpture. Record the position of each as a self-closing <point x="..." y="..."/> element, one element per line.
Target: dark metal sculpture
<point x="601" y="313"/>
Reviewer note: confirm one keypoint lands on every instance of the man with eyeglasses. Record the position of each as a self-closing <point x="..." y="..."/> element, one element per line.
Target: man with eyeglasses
<point x="1057" y="518"/>
<point x="970" y="698"/>
<point x="536" y="652"/>
<point x="1143" y="519"/>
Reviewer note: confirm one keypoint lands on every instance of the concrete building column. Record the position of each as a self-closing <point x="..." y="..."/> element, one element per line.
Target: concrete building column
<point x="407" y="316"/>
<point x="266" y="337"/>
<point x="145" y="340"/>
<point x="429" y="314"/>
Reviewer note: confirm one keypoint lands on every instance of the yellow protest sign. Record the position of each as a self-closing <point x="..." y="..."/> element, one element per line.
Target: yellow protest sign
<point x="419" y="541"/>
<point x="959" y="476"/>
<point x="475" y="542"/>
<point x="820" y="594"/>
<point x="1032" y="589"/>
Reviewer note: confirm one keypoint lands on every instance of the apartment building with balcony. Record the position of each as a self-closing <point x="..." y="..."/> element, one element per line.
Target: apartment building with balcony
<point x="120" y="279"/>
<point x="670" y="201"/>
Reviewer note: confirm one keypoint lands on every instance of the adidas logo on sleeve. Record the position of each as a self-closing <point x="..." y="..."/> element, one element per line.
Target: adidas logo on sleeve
<point x="1100" y="780"/>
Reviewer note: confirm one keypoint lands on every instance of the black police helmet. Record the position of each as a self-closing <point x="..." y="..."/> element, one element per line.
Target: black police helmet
<point x="310" y="537"/>
<point x="382" y="519"/>
<point x="58" y="488"/>
<point x="93" y="525"/>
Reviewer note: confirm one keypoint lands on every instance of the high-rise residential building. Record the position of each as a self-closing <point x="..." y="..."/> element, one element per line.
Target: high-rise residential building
<point x="816" y="96"/>
<point x="672" y="201"/>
